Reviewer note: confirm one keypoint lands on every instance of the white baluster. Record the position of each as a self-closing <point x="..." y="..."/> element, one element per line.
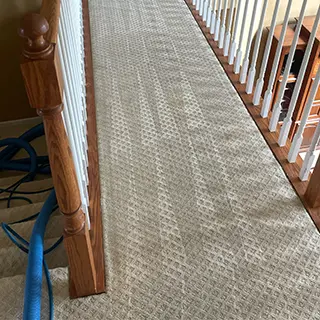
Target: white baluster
<point x="198" y="5"/>
<point x="245" y="66"/>
<point x="285" y="128"/>
<point x="311" y="155"/>
<point x="74" y="54"/>
<point x="205" y="10"/>
<point x="234" y="44"/>
<point x="194" y="2"/>
<point x="298" y="137"/>
<point x="223" y="24"/>
<point x="213" y="18"/>
<point x="252" y="70"/>
<point x="277" y="106"/>
<point x="268" y="94"/>
<point x="237" y="64"/>
<point x="68" y="58"/>
<point x="209" y="14"/>
<point x="201" y="8"/>
<point x="260" y="81"/>
<point x="218" y="21"/>
<point x="71" y="54"/>
<point x="226" y="44"/>
<point x="69" y="104"/>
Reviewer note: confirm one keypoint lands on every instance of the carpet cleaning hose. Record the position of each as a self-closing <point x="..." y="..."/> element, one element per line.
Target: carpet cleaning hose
<point x="13" y="147"/>
<point x="35" y="249"/>
<point x="33" y="286"/>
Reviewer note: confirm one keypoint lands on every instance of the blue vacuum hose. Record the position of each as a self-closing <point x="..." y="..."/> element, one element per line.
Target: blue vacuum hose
<point x="11" y="150"/>
<point x="14" y="145"/>
<point x="33" y="286"/>
<point x="33" y="164"/>
<point x="19" y="144"/>
<point x="35" y="249"/>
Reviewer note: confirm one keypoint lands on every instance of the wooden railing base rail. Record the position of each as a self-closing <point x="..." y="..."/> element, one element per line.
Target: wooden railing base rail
<point x="94" y="189"/>
<point x="308" y="192"/>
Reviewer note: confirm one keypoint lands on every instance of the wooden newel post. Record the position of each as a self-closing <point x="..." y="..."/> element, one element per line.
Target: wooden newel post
<point x="313" y="191"/>
<point x="41" y="72"/>
<point x="33" y="28"/>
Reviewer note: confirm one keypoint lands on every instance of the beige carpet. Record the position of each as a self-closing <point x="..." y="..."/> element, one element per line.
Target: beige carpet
<point x="200" y="221"/>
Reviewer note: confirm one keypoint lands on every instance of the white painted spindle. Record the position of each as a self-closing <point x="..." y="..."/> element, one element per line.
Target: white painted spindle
<point x="70" y="50"/>
<point x="234" y="44"/>
<point x="69" y="103"/>
<point x="226" y="44"/>
<point x="252" y="70"/>
<point x="205" y="10"/>
<point x="260" y="81"/>
<point x="209" y="14"/>
<point x="194" y="2"/>
<point x="268" y="94"/>
<point x="70" y="55"/>
<point x="201" y="7"/>
<point x="223" y="24"/>
<point x="311" y="155"/>
<point x="237" y="64"/>
<point x="277" y="106"/>
<point x="285" y="128"/>
<point x="198" y="5"/>
<point x="298" y="137"/>
<point x="72" y="16"/>
<point x="245" y="66"/>
<point x="213" y="17"/>
<point x="218" y="21"/>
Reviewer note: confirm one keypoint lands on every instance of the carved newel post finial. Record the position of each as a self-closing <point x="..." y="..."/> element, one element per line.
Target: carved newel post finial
<point x="33" y="27"/>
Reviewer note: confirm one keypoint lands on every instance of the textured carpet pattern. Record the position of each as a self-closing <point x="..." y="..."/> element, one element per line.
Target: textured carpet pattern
<point x="200" y="221"/>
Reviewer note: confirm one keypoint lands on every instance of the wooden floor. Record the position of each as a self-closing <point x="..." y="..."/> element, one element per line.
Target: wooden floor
<point x="291" y="169"/>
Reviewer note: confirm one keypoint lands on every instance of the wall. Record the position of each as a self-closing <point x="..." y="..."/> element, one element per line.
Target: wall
<point x="311" y="10"/>
<point x="14" y="101"/>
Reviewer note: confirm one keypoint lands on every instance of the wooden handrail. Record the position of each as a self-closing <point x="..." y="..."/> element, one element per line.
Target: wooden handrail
<point x="41" y="72"/>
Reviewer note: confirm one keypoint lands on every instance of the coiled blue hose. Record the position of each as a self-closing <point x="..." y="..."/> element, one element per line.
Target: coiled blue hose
<point x="33" y="165"/>
<point x="20" y="143"/>
<point x="35" y="249"/>
<point x="11" y="150"/>
<point x="14" y="147"/>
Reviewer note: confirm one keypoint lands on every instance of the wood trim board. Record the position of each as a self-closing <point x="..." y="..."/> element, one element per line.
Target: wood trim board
<point x="94" y="188"/>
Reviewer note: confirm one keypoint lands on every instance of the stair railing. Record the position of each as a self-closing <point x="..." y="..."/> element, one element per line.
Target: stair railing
<point x="54" y="71"/>
<point x="255" y="84"/>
